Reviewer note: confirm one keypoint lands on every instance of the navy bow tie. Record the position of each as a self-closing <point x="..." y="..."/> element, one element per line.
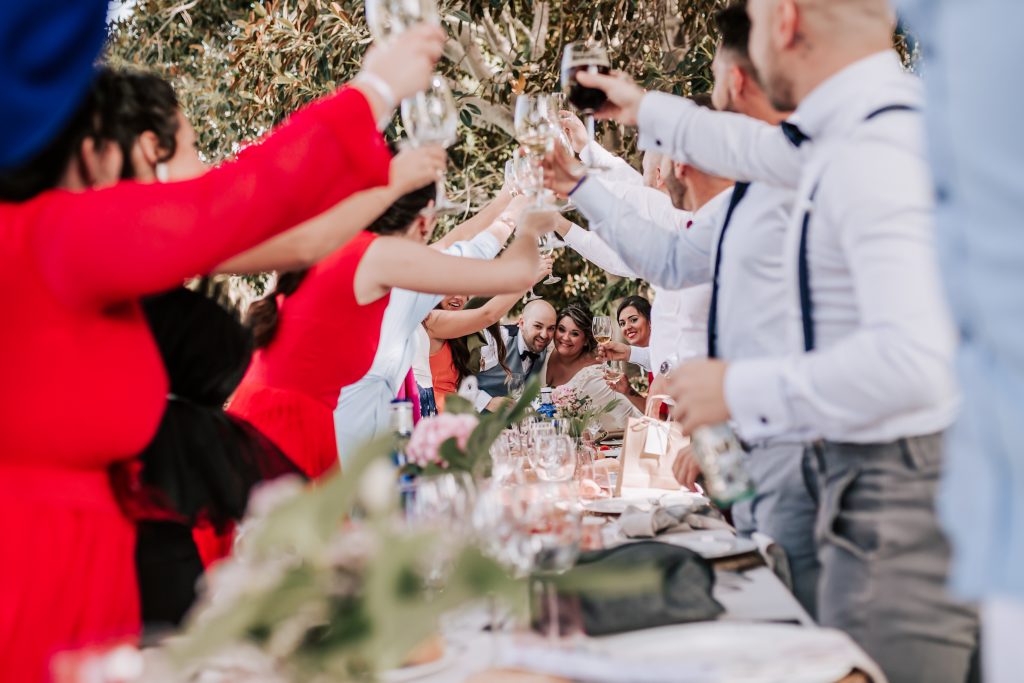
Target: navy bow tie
<point x="794" y="134"/>
<point x="523" y="355"/>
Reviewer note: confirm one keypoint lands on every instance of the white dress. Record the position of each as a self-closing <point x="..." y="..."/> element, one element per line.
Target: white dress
<point x="590" y="381"/>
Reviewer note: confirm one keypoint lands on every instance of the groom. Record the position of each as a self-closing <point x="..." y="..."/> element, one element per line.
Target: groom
<point x="526" y="346"/>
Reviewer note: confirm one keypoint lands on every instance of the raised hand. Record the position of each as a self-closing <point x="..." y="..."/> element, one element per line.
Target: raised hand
<point x="413" y="168"/>
<point x="406" y="65"/>
<point x="562" y="172"/>
<point x="545" y="266"/>
<point x="613" y="351"/>
<point x="624" y="95"/>
<point x="574" y="129"/>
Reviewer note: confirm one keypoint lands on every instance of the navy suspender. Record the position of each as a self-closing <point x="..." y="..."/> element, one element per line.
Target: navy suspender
<point x="803" y="268"/>
<point x="737" y="196"/>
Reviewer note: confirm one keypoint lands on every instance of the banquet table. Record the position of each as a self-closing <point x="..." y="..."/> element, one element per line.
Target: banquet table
<point x="751" y="597"/>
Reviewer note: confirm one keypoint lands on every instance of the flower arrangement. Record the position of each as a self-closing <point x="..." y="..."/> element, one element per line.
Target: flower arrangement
<point x="312" y="594"/>
<point x="578" y="408"/>
<point x="460" y="439"/>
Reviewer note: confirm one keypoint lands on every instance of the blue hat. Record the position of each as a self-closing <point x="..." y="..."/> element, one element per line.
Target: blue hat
<point x="47" y="51"/>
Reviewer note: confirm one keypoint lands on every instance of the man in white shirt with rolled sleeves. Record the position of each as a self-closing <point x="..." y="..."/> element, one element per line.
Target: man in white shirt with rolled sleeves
<point x="679" y="314"/>
<point x="869" y="372"/>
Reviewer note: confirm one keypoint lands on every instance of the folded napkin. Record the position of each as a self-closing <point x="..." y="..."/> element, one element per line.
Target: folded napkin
<point x="638" y="523"/>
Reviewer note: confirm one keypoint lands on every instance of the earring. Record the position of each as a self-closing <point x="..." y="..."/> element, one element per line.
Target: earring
<point x="162" y="174"/>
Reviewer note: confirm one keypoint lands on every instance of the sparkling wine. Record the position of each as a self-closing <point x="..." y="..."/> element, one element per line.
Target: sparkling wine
<point x="536" y="143"/>
<point x="601" y="339"/>
<point x="613" y="376"/>
<point x="586" y="100"/>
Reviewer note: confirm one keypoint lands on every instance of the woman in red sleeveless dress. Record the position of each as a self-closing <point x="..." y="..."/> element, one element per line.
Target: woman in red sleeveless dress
<point x="75" y="264"/>
<point x="319" y="329"/>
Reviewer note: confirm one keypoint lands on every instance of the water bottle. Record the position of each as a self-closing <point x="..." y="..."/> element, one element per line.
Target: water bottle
<point x="546" y="408"/>
<point x="400" y="422"/>
<point x="721" y="456"/>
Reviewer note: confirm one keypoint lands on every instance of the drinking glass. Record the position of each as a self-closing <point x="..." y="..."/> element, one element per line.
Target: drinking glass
<point x="551" y="515"/>
<point x="602" y="329"/>
<point x="548" y="243"/>
<point x="553" y="457"/>
<point x="516" y="382"/>
<point x="388" y="18"/>
<point x="614" y="370"/>
<point x="537" y="129"/>
<point x="441" y="504"/>
<point x="431" y="118"/>
<point x="589" y="57"/>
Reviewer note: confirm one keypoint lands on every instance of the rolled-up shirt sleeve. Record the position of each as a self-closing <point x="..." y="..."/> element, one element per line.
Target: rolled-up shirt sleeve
<point x="728" y="145"/>
<point x="672" y="259"/>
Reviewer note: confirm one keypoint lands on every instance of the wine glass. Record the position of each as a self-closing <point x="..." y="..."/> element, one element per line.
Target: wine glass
<point x="443" y="505"/>
<point x="593" y="58"/>
<point x="553" y="457"/>
<point x="431" y="118"/>
<point x="548" y="243"/>
<point x="602" y="329"/>
<point x="388" y="18"/>
<point x="536" y="125"/>
<point x="614" y="370"/>
<point x="551" y="516"/>
<point x="515" y="383"/>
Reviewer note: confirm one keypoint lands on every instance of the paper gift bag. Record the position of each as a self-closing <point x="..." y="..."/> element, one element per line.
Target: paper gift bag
<point x="649" y="448"/>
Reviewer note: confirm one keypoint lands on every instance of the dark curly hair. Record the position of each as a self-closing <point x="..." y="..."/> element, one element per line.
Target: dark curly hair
<point x="584" y="319"/>
<point x="131" y="103"/>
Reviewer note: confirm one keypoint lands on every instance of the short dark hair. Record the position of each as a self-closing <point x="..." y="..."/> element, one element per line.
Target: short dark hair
<point x="642" y="306"/>
<point x="734" y="27"/>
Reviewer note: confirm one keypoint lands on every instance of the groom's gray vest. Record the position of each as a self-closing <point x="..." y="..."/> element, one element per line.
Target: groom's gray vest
<point x="494" y="380"/>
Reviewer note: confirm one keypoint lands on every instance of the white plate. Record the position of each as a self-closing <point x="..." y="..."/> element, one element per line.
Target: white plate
<point x="615" y="506"/>
<point x="738" y="653"/>
<point x="452" y="651"/>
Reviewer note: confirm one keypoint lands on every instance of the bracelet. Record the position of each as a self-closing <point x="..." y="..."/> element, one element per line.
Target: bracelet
<point x="577" y="185"/>
<point x="383" y="90"/>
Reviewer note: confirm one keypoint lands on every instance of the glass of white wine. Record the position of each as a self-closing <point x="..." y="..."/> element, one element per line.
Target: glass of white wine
<point x="432" y="118"/>
<point x="536" y="123"/>
<point x="614" y="370"/>
<point x="388" y="18"/>
<point x="602" y="329"/>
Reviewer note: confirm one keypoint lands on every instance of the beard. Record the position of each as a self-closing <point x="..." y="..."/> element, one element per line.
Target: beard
<point x="676" y="190"/>
<point x="778" y="87"/>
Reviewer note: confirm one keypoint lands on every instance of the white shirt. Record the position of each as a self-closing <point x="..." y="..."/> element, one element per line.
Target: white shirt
<point x="679" y="314"/>
<point x="421" y="358"/>
<point x="362" y="411"/>
<point x="882" y="368"/>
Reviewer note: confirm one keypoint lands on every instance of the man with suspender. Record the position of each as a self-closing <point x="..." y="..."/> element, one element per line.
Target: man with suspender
<point x="747" y="313"/>
<point x="868" y="379"/>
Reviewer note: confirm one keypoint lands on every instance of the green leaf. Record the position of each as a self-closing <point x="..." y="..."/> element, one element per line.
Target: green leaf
<point x="457" y="405"/>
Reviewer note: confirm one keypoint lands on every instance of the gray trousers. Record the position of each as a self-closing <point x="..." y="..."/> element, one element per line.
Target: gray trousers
<point x="785" y="508"/>
<point x="884" y="561"/>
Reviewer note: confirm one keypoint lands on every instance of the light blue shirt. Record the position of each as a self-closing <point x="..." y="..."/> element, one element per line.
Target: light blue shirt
<point x="977" y="150"/>
<point x="362" y="411"/>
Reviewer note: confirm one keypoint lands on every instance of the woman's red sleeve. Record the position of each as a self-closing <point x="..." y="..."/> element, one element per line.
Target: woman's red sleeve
<point x="114" y="244"/>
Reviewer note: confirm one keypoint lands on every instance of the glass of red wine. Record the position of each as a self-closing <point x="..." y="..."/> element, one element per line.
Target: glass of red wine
<point x="589" y="57"/>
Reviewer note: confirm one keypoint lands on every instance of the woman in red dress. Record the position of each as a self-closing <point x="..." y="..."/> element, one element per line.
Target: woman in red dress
<point x="318" y="331"/>
<point x="83" y="386"/>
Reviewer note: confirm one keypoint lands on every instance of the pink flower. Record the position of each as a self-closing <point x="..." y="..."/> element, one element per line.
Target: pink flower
<point x="425" y="445"/>
<point x="563" y="396"/>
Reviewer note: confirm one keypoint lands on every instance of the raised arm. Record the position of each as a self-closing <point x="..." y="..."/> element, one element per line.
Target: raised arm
<point x="99" y="247"/>
<point x="306" y="244"/>
<point x="469" y="229"/>
<point x="725" y="144"/>
<point x="396" y="262"/>
<point x="669" y="258"/>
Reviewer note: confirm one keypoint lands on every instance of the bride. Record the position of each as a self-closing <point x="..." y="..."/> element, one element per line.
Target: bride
<point x="573" y="362"/>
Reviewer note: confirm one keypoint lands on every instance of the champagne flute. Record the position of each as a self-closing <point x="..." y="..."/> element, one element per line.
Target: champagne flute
<point x="602" y="329"/>
<point x="389" y="18"/>
<point x="614" y="370"/>
<point x="547" y="245"/>
<point x="431" y="118"/>
<point x="592" y="58"/>
<point x="536" y="127"/>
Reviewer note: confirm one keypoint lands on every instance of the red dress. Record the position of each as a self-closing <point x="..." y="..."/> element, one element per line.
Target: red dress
<point x="82" y="385"/>
<point x="324" y="341"/>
